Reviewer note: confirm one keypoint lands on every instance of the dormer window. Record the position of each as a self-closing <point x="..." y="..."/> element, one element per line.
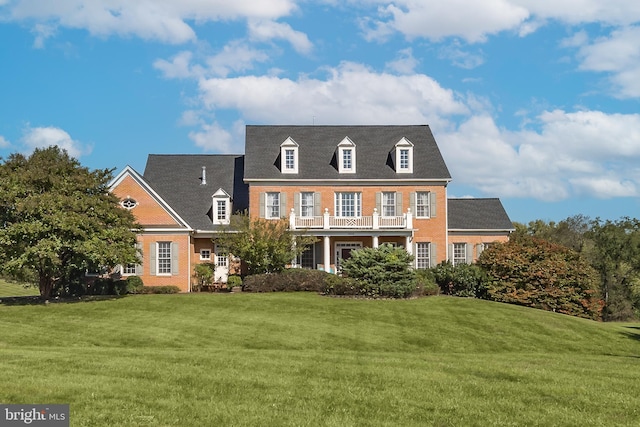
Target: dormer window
<point x="404" y="156"/>
<point x="221" y="207"/>
<point x="346" y="156"/>
<point x="289" y="156"/>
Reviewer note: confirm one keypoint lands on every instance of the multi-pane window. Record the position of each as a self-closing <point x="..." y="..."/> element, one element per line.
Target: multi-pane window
<point x="306" y="204"/>
<point x="389" y="204"/>
<point x="289" y="159"/>
<point x="404" y="158"/>
<point x="222" y="210"/>
<point x="273" y="205"/>
<point x="348" y="204"/>
<point x="459" y="253"/>
<point x="423" y="256"/>
<point x="129" y="269"/>
<point x="422" y="204"/>
<point x="205" y="254"/>
<point x="164" y="257"/>
<point x="347" y="159"/>
<point x="222" y="258"/>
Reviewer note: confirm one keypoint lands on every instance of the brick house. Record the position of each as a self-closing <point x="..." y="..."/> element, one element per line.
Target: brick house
<point x="350" y="186"/>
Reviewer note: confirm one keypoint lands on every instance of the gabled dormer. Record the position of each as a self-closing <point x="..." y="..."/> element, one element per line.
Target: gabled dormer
<point x="221" y="207"/>
<point x="403" y="156"/>
<point x="346" y="156"/>
<point x="289" y="156"/>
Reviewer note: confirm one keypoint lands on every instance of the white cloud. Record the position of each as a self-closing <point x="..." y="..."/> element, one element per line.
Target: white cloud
<point x="580" y="153"/>
<point x="619" y="56"/>
<point x="42" y="137"/>
<point x="268" y="30"/>
<point x="351" y="93"/>
<point x="3" y="142"/>
<point x="163" y="20"/>
<point x="234" y="57"/>
<point x="213" y="138"/>
<point x="179" y="67"/>
<point x="461" y="58"/>
<point x="405" y="63"/>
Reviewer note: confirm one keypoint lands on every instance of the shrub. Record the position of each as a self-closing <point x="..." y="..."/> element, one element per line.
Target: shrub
<point x="338" y="285"/>
<point x="425" y="283"/>
<point x="381" y="272"/>
<point x="134" y="284"/>
<point x="204" y="275"/>
<point x="463" y="280"/>
<point x="293" y="279"/>
<point x="167" y="289"/>
<point x="233" y="281"/>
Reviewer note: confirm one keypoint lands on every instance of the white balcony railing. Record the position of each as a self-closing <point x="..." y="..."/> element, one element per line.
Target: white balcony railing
<point x="370" y="222"/>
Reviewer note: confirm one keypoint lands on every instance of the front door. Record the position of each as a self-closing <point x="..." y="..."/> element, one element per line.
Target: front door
<point x="222" y="265"/>
<point x="343" y="251"/>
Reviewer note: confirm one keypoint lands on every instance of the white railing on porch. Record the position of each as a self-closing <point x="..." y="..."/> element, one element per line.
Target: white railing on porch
<point x="370" y="222"/>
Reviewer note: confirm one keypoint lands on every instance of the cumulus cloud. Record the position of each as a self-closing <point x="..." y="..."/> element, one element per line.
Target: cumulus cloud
<point x="572" y="153"/>
<point x="167" y="21"/>
<point x="405" y="63"/>
<point x="3" y="142"/>
<point x="214" y="138"/>
<point x="618" y="54"/>
<point x="351" y="93"/>
<point x="262" y="30"/>
<point x="42" y="137"/>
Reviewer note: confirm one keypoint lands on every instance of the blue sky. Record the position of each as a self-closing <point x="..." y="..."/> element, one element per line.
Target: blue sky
<point x="532" y="101"/>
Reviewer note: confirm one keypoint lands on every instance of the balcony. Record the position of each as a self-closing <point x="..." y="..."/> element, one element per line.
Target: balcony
<point x="371" y="222"/>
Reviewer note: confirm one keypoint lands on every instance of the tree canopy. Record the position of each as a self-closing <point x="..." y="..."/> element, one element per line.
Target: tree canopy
<point x="58" y="219"/>
<point x="264" y="245"/>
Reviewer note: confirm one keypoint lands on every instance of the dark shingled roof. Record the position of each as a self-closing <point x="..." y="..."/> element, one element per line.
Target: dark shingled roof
<point x="477" y="214"/>
<point x="317" y="148"/>
<point x="177" y="178"/>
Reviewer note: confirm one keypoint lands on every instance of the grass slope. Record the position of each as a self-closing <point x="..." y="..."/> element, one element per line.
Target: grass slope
<point x="11" y="289"/>
<point x="306" y="360"/>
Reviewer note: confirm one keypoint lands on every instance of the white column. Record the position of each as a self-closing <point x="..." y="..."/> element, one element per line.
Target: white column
<point x="327" y="254"/>
<point x="375" y="241"/>
<point x="408" y="247"/>
<point x="292" y="219"/>
<point x="325" y="219"/>
<point x="376" y="220"/>
<point x="409" y="219"/>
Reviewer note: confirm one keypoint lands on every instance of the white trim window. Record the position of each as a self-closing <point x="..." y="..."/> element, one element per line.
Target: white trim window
<point x="164" y="258"/>
<point x="423" y="255"/>
<point x="389" y="203"/>
<point x="404" y="156"/>
<point x="307" y="207"/>
<point x="459" y="254"/>
<point x="129" y="270"/>
<point x="221" y="207"/>
<point x="221" y="210"/>
<point x="222" y="258"/>
<point x="348" y="204"/>
<point x="307" y="258"/>
<point x="422" y="204"/>
<point x="289" y="156"/>
<point x="205" y="254"/>
<point x="346" y="156"/>
<point x="273" y="205"/>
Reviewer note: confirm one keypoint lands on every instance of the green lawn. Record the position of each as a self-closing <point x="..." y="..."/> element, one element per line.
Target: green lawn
<point x="305" y="360"/>
<point x="11" y="289"/>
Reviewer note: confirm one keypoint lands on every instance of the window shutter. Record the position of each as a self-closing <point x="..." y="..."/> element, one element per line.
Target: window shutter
<point x="296" y="202"/>
<point x="398" y="204"/>
<point x="412" y="202"/>
<point x="433" y="258"/>
<point x="469" y="253"/>
<point x="152" y="259"/>
<point x="283" y="205"/>
<point x="317" y="204"/>
<point x="479" y="248"/>
<point x="140" y="258"/>
<point x="451" y="252"/>
<point x="174" y="258"/>
<point x="432" y="204"/>
<point x="263" y="197"/>
<point x="379" y="202"/>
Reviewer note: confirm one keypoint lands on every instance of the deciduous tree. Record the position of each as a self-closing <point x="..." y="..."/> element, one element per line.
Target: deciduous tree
<point x="57" y="218"/>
